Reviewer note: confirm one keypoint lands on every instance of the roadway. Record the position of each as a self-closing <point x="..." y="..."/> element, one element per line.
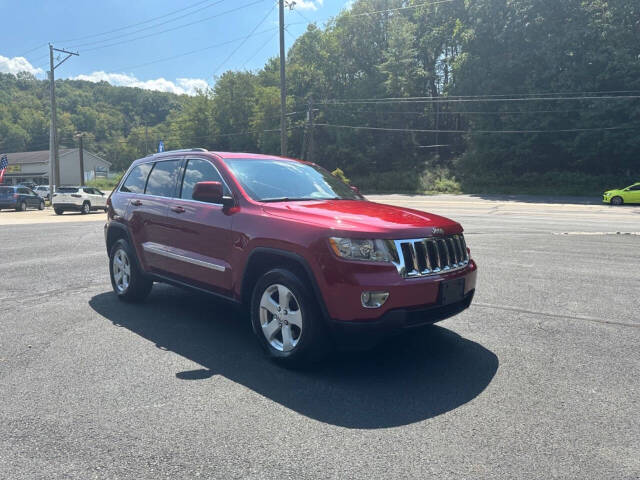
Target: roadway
<point x="539" y="379"/>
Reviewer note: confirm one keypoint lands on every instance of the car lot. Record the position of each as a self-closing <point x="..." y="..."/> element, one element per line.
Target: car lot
<point x="538" y="379"/>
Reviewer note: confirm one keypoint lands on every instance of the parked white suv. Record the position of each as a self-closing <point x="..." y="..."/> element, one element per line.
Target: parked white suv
<point x="78" y="199"/>
<point x="43" y="191"/>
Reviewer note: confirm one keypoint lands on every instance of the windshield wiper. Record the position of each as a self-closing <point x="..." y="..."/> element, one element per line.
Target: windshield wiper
<point x="287" y="199"/>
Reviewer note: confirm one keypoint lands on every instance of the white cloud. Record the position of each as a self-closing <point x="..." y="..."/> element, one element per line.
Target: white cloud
<point x="181" y="86"/>
<point x="18" y="64"/>
<point x="308" y="4"/>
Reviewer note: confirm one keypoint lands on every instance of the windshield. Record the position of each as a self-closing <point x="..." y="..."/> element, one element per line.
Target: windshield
<point x="275" y="180"/>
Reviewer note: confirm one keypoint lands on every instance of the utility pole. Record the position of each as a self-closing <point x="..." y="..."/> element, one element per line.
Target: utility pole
<point x="81" y="154"/>
<point x="54" y="165"/>
<point x="283" y="93"/>
<point x="146" y="138"/>
<point x="307" y="140"/>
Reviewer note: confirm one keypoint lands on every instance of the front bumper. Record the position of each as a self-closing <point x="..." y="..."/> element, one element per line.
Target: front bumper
<point x="393" y="322"/>
<point x="342" y="284"/>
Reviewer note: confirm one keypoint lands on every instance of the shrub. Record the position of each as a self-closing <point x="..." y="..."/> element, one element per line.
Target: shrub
<point x="340" y="174"/>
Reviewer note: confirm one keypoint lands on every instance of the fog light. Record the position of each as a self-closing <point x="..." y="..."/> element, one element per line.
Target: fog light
<point x="373" y="299"/>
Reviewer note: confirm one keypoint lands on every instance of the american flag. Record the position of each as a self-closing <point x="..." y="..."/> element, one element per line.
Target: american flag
<point x="4" y="163"/>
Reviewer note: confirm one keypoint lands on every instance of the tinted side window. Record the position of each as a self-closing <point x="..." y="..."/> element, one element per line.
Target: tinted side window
<point x="637" y="187"/>
<point x="162" y="180"/>
<point x="137" y="179"/>
<point x="24" y="191"/>
<point x="198" y="171"/>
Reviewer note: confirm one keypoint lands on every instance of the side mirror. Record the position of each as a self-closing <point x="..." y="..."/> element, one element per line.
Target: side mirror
<point x="211" y="192"/>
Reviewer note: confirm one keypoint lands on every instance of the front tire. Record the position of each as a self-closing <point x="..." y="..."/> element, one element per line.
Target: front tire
<point x="285" y="319"/>
<point x="58" y="211"/>
<point x="127" y="280"/>
<point x="617" y="201"/>
<point x="41" y="205"/>
<point x="86" y="208"/>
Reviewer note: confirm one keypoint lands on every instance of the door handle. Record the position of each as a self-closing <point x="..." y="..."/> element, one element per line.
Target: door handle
<point x="178" y="209"/>
<point x="136" y="203"/>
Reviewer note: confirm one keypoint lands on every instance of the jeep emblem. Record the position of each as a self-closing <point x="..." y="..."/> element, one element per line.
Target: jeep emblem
<point x="437" y="231"/>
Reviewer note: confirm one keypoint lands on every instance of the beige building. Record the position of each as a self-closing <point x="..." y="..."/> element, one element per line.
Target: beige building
<point x="34" y="167"/>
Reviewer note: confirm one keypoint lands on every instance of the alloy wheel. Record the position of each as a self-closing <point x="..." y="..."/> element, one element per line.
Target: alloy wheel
<point x="280" y="318"/>
<point x="121" y="270"/>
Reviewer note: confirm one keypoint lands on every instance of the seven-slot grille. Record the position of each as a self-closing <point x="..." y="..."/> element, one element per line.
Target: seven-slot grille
<point x="430" y="256"/>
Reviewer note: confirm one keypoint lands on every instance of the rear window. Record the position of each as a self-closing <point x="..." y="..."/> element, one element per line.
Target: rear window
<point x="67" y="190"/>
<point x="162" y="181"/>
<point x="137" y="179"/>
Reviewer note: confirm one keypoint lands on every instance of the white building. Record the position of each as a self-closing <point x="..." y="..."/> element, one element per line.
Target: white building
<point x="34" y="167"/>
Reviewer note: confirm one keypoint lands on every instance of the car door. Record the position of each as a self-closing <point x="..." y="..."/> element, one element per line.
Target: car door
<point x="101" y="198"/>
<point x="148" y="214"/>
<point x="26" y="197"/>
<point x="633" y="195"/>
<point x="200" y="237"/>
<point x="34" y="198"/>
<point x="94" y="197"/>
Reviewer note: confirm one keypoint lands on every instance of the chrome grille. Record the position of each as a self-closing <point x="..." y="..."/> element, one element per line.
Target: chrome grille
<point x="430" y="256"/>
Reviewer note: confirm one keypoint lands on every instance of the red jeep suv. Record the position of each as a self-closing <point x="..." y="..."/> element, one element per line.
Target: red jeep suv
<point x="311" y="259"/>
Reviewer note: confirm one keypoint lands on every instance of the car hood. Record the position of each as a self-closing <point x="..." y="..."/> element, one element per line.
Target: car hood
<point x="611" y="192"/>
<point x="363" y="217"/>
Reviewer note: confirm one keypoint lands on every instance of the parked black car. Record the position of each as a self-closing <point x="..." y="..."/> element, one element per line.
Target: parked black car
<point x="19" y="198"/>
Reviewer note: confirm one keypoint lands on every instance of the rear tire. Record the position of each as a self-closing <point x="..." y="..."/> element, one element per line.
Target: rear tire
<point x="617" y="201"/>
<point x="127" y="279"/>
<point x="21" y="207"/>
<point x="86" y="208"/>
<point x="58" y="211"/>
<point x="290" y="329"/>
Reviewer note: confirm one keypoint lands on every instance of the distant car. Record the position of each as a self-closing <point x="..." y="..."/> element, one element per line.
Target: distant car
<point x="78" y="199"/>
<point x="29" y="185"/>
<point x="43" y="191"/>
<point x="19" y="198"/>
<point x="631" y="194"/>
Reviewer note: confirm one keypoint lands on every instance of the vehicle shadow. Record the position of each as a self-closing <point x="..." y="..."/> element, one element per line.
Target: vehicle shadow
<point x="406" y="380"/>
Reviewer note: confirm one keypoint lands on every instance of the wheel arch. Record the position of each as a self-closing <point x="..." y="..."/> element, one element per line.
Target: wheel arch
<point x="263" y="259"/>
<point x="114" y="232"/>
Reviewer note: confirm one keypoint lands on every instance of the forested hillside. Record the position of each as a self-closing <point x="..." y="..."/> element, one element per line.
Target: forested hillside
<point x="488" y="95"/>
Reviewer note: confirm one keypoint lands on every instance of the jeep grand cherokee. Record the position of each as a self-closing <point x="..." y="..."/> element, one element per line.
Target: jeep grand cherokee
<point x="311" y="259"/>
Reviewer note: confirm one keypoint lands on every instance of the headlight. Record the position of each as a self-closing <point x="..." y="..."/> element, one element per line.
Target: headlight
<point x="365" y="250"/>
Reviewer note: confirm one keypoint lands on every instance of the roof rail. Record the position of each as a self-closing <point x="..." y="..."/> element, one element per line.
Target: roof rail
<point x="184" y="150"/>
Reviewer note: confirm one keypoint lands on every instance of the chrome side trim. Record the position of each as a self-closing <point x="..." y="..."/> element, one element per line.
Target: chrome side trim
<point x="158" y="250"/>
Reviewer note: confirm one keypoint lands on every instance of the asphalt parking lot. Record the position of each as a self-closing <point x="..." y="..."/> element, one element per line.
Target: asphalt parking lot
<point x="539" y="379"/>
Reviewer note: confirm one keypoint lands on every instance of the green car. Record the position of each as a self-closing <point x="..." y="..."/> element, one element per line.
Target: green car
<point x="630" y="194"/>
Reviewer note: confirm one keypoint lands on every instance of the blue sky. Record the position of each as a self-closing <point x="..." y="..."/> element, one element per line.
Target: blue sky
<point x="130" y="39"/>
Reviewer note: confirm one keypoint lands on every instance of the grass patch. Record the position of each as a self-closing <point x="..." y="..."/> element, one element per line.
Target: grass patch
<point x="105" y="183"/>
<point x="549" y="183"/>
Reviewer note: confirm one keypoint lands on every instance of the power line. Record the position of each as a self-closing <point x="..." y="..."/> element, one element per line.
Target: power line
<point x="107" y="32"/>
<point x="251" y="33"/>
<point x="262" y="47"/>
<point x="472" y="132"/>
<point x="387" y="10"/>
<point x="174" y="28"/>
<point x="483" y="96"/>
<point x="434" y="100"/>
<point x="149" y="27"/>
<point x="191" y="52"/>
